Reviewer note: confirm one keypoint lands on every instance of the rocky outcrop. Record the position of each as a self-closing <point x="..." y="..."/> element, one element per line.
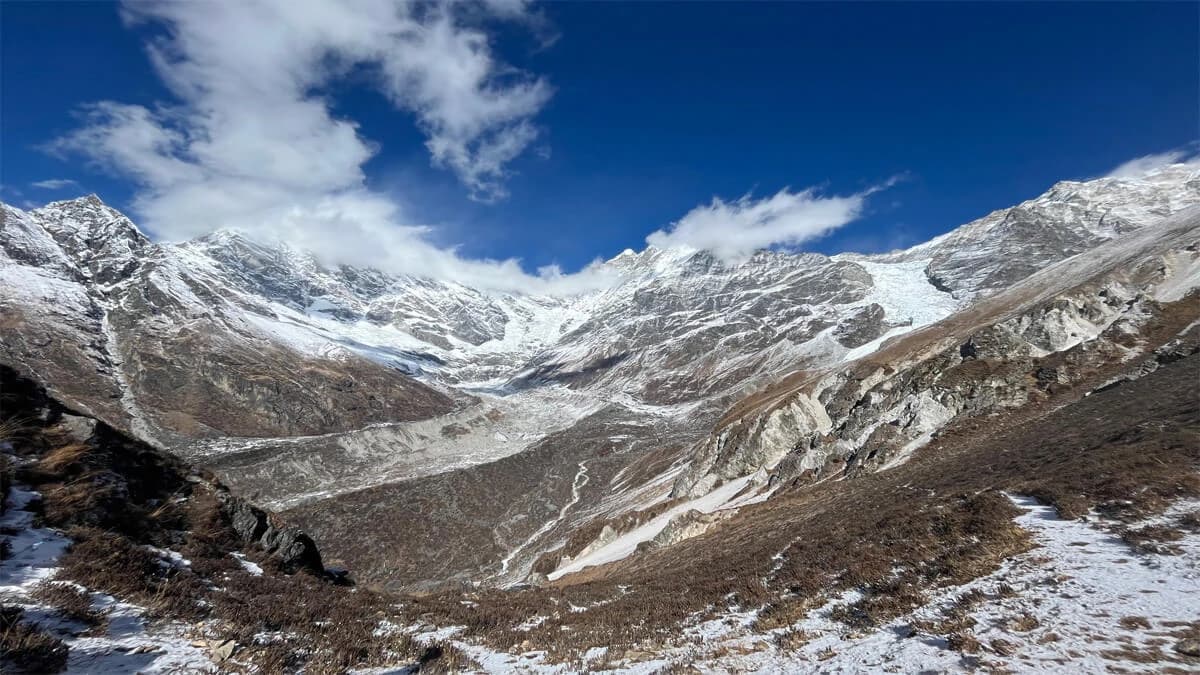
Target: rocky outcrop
<point x="993" y="253"/>
<point x="294" y="549"/>
<point x="137" y="334"/>
<point x="1132" y="299"/>
<point x="686" y="525"/>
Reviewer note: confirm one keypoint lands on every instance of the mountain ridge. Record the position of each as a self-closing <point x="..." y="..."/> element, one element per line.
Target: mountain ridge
<point x="240" y="354"/>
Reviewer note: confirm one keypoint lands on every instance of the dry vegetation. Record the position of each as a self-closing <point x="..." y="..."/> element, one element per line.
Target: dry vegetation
<point x="938" y="520"/>
<point x="320" y="627"/>
<point x="123" y="504"/>
<point x="1152" y="539"/>
<point x="70" y="601"/>
<point x="25" y="647"/>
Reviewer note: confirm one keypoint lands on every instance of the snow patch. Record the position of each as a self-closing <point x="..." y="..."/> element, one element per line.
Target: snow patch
<point x="627" y="543"/>
<point x="1076" y="586"/>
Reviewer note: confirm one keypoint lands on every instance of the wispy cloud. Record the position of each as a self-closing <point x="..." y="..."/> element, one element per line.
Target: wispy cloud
<point x="55" y="184"/>
<point x="734" y="230"/>
<point x="1141" y="166"/>
<point x="251" y="141"/>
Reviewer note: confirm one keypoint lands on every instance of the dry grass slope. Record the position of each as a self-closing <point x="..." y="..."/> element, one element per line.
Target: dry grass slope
<point x="937" y="520"/>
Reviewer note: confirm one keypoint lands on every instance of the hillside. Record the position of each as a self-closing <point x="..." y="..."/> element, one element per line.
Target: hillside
<point x="764" y="464"/>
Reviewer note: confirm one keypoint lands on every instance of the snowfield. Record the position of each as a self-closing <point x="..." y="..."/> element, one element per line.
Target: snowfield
<point x="721" y="498"/>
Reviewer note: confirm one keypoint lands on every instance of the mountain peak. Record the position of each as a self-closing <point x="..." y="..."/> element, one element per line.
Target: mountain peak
<point x="88" y="217"/>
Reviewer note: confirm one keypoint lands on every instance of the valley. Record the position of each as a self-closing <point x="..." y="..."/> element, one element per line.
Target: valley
<point x="705" y="461"/>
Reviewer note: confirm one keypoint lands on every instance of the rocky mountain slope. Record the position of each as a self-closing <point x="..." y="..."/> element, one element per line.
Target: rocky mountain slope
<point x="508" y="421"/>
<point x="116" y="557"/>
<point x="766" y="454"/>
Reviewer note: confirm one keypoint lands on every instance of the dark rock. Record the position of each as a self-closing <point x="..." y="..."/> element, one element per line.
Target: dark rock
<point x="294" y="549"/>
<point x="864" y="326"/>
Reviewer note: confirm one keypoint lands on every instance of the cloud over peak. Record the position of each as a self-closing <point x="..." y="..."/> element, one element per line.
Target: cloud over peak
<point x="251" y="140"/>
<point x="734" y="230"/>
<point x="1146" y="164"/>
<point x="54" y="183"/>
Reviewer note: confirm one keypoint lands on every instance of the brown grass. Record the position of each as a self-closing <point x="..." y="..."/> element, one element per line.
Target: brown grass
<point x="792" y="639"/>
<point x="25" y="648"/>
<point x="323" y="628"/>
<point x="1190" y="521"/>
<point x="63" y="459"/>
<point x="1134" y="622"/>
<point x="964" y="643"/>
<point x="1152" y="539"/>
<point x="938" y="520"/>
<point x="1023" y="623"/>
<point x="108" y="562"/>
<point x="116" y="501"/>
<point x="69" y="601"/>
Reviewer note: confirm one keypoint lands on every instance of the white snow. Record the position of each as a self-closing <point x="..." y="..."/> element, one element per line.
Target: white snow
<point x="1078" y="583"/>
<point x="1183" y="277"/>
<point x="250" y="566"/>
<point x="35" y="550"/>
<point x="907" y="297"/>
<point x="627" y="543"/>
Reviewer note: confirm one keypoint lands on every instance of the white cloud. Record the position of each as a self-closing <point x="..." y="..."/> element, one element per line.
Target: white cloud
<point x="252" y="142"/>
<point x="55" y="184"/>
<point x="734" y="230"/>
<point x="1141" y="166"/>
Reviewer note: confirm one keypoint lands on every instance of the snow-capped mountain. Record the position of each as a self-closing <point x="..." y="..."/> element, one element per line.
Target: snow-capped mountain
<point x="677" y="326"/>
<point x="244" y="353"/>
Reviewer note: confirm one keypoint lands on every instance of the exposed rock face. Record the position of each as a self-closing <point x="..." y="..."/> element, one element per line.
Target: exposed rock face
<point x="687" y="525"/>
<point x="294" y="549"/>
<point x="1097" y="311"/>
<point x="862" y="327"/>
<point x="129" y="331"/>
<point x="226" y="336"/>
<point x="994" y="252"/>
<point x="305" y="381"/>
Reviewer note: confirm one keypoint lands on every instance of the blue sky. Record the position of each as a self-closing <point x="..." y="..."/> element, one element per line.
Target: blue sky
<point x="641" y="113"/>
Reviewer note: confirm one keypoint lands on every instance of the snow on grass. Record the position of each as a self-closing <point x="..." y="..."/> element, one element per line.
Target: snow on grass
<point x="126" y="645"/>
<point x="251" y="567"/>
<point x="1083" y="601"/>
<point x="1080" y="601"/>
